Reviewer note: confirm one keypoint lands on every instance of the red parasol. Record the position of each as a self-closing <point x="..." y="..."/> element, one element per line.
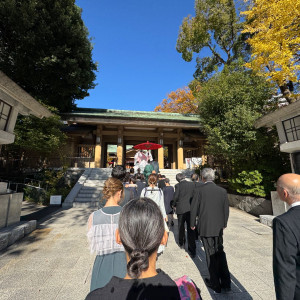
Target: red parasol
<point x="147" y="146"/>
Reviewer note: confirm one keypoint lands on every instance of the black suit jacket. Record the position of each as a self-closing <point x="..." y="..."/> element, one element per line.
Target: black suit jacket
<point x="210" y="204"/>
<point x="286" y="254"/>
<point x="183" y="196"/>
<point x="197" y="185"/>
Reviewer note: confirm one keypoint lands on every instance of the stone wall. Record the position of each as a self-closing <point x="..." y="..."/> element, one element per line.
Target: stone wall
<point x="252" y="205"/>
<point x="10" y="208"/>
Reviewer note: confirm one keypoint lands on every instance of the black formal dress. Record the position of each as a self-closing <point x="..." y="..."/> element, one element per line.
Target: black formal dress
<point x="182" y="200"/>
<point x="286" y="254"/>
<point x="210" y="204"/>
<point x="160" y="287"/>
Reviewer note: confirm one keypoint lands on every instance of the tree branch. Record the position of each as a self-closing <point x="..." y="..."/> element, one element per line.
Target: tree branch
<point x="217" y="55"/>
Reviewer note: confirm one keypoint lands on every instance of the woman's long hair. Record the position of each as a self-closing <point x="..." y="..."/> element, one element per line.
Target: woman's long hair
<point x="141" y="228"/>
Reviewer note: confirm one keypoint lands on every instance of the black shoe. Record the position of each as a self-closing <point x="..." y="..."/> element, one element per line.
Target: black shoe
<point x="209" y="285"/>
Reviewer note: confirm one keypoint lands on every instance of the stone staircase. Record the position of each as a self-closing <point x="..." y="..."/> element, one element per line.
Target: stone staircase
<point x="171" y="174"/>
<point x="91" y="191"/>
<point x="87" y="192"/>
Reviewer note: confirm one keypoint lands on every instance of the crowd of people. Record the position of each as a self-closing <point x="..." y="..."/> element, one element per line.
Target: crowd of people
<point x="131" y="231"/>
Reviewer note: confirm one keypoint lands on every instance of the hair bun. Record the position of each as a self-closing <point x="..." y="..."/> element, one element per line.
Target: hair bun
<point x="139" y="261"/>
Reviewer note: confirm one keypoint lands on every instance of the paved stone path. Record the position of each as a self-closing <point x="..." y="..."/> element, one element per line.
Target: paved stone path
<point x="54" y="261"/>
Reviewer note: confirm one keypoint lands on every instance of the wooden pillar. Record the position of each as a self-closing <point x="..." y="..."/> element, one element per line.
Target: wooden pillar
<point x="120" y="142"/>
<point x="98" y="147"/>
<point x="204" y="157"/>
<point x="161" y="150"/>
<point x="174" y="156"/>
<point x="180" y="149"/>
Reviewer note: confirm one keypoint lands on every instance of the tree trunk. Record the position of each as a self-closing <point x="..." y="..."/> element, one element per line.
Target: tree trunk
<point x="286" y="92"/>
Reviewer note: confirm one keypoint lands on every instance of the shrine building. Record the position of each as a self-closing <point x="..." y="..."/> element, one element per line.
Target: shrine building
<point x="105" y="136"/>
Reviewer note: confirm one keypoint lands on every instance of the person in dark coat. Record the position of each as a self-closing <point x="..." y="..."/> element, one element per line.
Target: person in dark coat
<point x="210" y="205"/>
<point x="196" y="180"/>
<point x="286" y="240"/>
<point x="161" y="181"/>
<point x="119" y="172"/>
<point x="182" y="201"/>
<point x="168" y="191"/>
<point x="197" y="184"/>
<point x="140" y="184"/>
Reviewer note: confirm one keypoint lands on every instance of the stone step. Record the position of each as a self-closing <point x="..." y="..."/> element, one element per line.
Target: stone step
<point x="93" y="185"/>
<point x="83" y="199"/>
<point x="95" y="181"/>
<point x="84" y="195"/>
<point x="86" y="204"/>
<point x="91" y="188"/>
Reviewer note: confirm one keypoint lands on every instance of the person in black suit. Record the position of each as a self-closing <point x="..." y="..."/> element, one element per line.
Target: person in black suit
<point x="182" y="201"/>
<point x="196" y="180"/>
<point x="210" y="205"/>
<point x="119" y="172"/>
<point x="286" y="240"/>
<point x="197" y="184"/>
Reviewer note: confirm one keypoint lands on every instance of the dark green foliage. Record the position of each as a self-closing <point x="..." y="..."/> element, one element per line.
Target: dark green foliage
<point x="53" y="182"/>
<point x="248" y="183"/>
<point x="229" y="104"/>
<point x="39" y="135"/>
<point x="36" y="140"/>
<point x="44" y="47"/>
<point x="35" y="195"/>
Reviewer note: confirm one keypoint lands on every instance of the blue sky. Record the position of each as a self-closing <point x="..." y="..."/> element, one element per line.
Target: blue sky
<point x="135" y="47"/>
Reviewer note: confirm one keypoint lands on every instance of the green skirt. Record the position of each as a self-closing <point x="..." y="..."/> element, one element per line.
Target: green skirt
<point x="106" y="266"/>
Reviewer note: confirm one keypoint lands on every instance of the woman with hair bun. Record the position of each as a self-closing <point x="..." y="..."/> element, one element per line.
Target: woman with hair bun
<point x="102" y="224"/>
<point x="141" y="231"/>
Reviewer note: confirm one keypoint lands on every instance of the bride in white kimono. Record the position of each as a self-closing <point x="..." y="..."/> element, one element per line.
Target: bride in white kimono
<point x="141" y="160"/>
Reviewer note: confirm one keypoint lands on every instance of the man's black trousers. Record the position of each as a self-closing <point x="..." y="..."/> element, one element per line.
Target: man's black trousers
<point x="185" y="218"/>
<point x="216" y="261"/>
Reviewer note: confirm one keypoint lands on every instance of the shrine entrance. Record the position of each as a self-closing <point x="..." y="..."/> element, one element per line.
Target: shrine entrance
<point x="112" y="133"/>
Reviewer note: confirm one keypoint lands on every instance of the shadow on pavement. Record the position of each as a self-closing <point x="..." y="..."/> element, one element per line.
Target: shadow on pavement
<point x="237" y="289"/>
<point x="40" y="213"/>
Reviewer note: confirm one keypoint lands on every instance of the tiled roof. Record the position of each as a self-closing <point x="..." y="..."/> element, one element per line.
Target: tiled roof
<point x="130" y="114"/>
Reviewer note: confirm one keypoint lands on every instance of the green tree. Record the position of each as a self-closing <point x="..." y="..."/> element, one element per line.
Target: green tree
<point x="216" y="27"/>
<point x="229" y="104"/>
<point x="43" y="136"/>
<point x="37" y="139"/>
<point x="44" y="47"/>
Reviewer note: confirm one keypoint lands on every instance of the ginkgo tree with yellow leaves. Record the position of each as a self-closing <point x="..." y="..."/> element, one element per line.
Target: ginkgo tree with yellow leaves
<point x="275" y="42"/>
<point x="180" y="101"/>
